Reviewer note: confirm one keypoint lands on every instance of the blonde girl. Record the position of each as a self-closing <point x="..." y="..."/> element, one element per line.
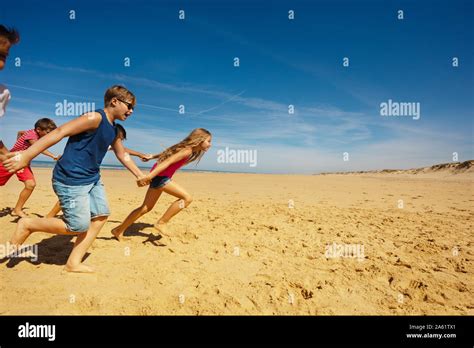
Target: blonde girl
<point x="190" y="149"/>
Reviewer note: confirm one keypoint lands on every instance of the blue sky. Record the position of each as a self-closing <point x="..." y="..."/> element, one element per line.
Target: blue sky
<point x="282" y="62"/>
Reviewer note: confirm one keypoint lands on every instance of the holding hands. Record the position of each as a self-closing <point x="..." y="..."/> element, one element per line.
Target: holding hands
<point x="146" y="158"/>
<point x="143" y="180"/>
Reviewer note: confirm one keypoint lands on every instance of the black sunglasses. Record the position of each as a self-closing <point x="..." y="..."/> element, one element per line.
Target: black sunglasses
<point x="129" y="105"/>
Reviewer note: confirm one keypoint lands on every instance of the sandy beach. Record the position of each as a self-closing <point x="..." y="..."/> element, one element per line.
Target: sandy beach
<point x="260" y="244"/>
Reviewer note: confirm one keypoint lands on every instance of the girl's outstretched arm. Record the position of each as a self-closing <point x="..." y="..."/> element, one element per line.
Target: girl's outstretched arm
<point x="178" y="156"/>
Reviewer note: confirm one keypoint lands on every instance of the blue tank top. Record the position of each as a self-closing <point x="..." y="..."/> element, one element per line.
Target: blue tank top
<point x="84" y="152"/>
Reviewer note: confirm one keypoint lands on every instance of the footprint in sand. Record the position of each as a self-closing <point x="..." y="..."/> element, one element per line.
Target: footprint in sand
<point x="415" y="284"/>
<point x="188" y="237"/>
<point x="306" y="293"/>
<point x="402" y="263"/>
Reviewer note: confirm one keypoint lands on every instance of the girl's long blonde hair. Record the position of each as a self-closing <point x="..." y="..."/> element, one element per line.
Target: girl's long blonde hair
<point x="196" y="137"/>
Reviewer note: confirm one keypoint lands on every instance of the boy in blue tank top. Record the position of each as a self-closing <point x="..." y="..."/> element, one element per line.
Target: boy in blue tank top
<point x="76" y="176"/>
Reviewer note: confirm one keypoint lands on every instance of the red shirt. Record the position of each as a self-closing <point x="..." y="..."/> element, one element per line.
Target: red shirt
<point x="22" y="144"/>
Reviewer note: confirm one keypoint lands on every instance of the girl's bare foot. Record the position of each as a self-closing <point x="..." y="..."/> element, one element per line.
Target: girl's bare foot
<point x="19" y="213"/>
<point x="80" y="268"/>
<point x="118" y="234"/>
<point x="162" y="228"/>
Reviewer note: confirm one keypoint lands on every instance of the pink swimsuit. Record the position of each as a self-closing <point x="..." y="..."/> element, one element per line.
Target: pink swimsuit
<point x="169" y="172"/>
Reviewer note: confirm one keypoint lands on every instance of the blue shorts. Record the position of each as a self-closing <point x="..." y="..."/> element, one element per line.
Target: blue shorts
<point x="159" y="181"/>
<point x="80" y="204"/>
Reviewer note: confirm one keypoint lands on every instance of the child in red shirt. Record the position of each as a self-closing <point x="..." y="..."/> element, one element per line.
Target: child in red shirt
<point x="24" y="141"/>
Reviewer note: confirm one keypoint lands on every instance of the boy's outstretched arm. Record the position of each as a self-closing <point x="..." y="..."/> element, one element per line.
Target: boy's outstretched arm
<point x="128" y="163"/>
<point x="18" y="160"/>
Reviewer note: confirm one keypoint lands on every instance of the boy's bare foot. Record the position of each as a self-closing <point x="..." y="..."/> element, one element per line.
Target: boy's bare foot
<point x="162" y="228"/>
<point x="19" y="213"/>
<point x="118" y="234"/>
<point x="80" y="268"/>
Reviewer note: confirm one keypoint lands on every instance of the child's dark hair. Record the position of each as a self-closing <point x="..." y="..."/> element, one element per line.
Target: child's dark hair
<point x="10" y="34"/>
<point x="121" y="131"/>
<point x="45" y="124"/>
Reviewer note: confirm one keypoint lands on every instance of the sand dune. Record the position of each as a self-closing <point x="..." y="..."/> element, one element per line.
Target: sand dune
<point x="258" y="244"/>
<point x="444" y="169"/>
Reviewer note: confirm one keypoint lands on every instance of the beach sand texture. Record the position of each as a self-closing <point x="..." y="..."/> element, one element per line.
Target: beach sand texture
<point x="258" y="244"/>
